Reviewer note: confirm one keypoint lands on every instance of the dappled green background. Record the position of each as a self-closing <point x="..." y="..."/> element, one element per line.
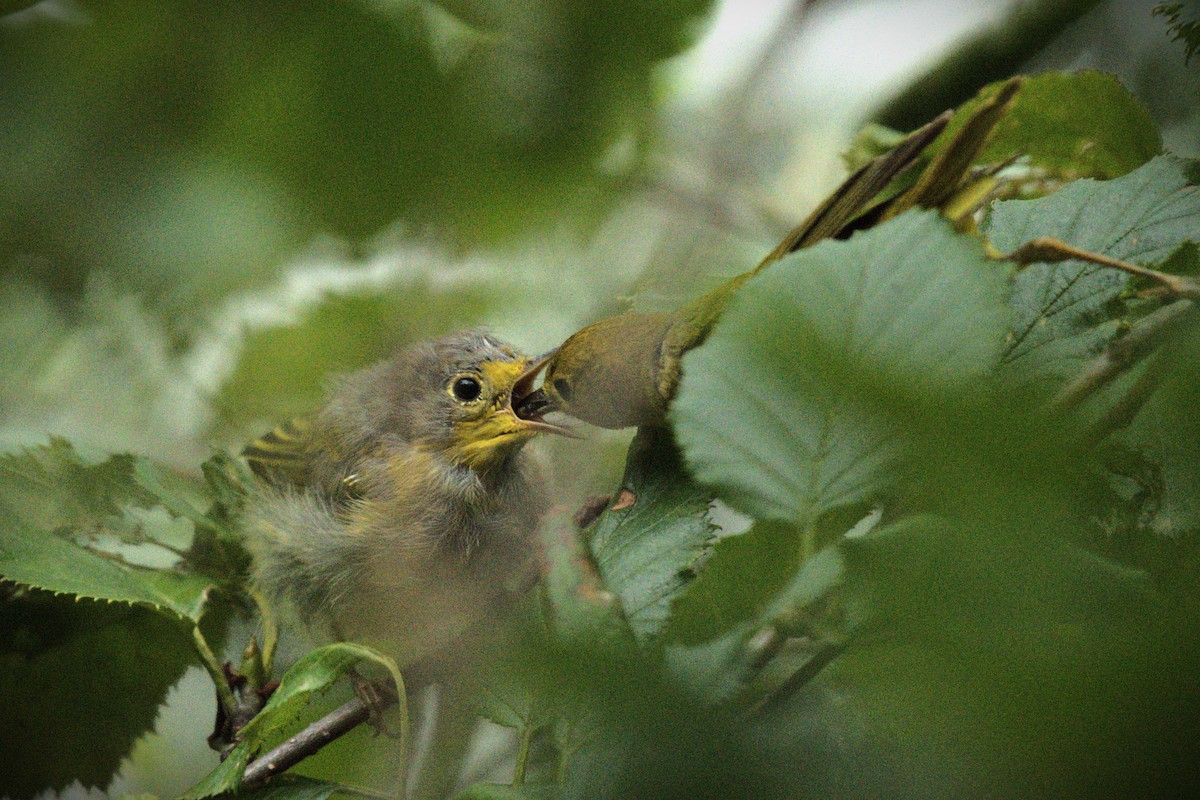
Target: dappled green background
<point x="206" y="208"/>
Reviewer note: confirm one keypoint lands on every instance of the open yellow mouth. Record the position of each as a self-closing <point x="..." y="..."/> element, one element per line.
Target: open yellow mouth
<point x="514" y="419"/>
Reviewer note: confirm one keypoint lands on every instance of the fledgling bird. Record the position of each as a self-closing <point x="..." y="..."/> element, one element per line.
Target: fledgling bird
<point x="404" y="513"/>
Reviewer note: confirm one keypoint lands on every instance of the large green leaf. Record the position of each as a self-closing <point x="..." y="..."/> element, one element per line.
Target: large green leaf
<point x="45" y="560"/>
<point x="1062" y="313"/>
<point x="82" y="681"/>
<point x="96" y="528"/>
<point x="780" y="408"/>
<point x="313" y="674"/>
<point x="646" y="551"/>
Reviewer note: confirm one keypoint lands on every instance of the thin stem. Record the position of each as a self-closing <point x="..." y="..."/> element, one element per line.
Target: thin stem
<point x="1143" y="338"/>
<point x="808" y="542"/>
<point x="801" y="677"/>
<point x="1047" y="249"/>
<point x="1123" y="412"/>
<point x="209" y="659"/>
<point x="522" y="755"/>
<point x="270" y="629"/>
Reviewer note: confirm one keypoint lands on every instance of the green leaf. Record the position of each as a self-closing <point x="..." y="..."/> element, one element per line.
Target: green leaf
<point x="1080" y="124"/>
<point x="82" y="682"/>
<point x="579" y="608"/>
<point x="646" y="551"/>
<point x="315" y="673"/>
<point x="1062" y="313"/>
<point x="781" y="410"/>
<point x="871" y="141"/>
<point x="736" y="583"/>
<point x="53" y="485"/>
<point x="96" y="529"/>
<point x="297" y="787"/>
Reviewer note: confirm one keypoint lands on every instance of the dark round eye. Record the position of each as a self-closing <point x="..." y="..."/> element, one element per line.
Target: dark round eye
<point x="563" y="388"/>
<point x="466" y="389"/>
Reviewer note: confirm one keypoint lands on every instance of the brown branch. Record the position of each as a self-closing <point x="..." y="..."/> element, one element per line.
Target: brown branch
<point x="307" y="742"/>
<point x="1142" y="339"/>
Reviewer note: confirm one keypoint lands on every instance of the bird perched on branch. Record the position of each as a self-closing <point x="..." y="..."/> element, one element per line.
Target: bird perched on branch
<point x="403" y="513"/>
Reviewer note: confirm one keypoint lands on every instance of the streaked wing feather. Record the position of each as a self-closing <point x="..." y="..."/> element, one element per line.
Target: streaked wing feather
<point x="281" y="456"/>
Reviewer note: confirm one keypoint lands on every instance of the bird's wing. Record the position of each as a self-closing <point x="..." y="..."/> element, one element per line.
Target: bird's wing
<point x="281" y="456"/>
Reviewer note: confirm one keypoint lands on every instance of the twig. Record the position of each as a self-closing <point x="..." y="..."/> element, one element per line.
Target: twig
<point x="1121" y="414"/>
<point x="208" y="659"/>
<point x="801" y="677"/>
<point x="1047" y="249"/>
<point x="328" y="728"/>
<point x="522" y="762"/>
<point x="1121" y="354"/>
<point x="270" y="628"/>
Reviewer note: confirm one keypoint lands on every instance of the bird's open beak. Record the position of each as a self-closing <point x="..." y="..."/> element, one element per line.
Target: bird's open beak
<point x="531" y="404"/>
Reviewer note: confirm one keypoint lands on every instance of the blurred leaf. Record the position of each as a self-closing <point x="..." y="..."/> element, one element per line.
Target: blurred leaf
<point x="9" y="6"/>
<point x="316" y="672"/>
<point x="736" y="583"/>
<point x="579" y="607"/>
<point x="1167" y="430"/>
<point x="505" y="699"/>
<point x="1078" y="124"/>
<point x="1000" y="661"/>
<point x="1062" y="310"/>
<point x="283" y="370"/>
<point x="1181" y="29"/>
<point x="82" y="682"/>
<point x="94" y="529"/>
<point x="760" y="417"/>
<point x="651" y="738"/>
<point x="1184" y="261"/>
<point x="645" y="551"/>
<point x="499" y="791"/>
<point x="218" y="140"/>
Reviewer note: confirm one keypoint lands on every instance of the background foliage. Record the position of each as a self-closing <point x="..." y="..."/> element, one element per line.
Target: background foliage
<point x="877" y="553"/>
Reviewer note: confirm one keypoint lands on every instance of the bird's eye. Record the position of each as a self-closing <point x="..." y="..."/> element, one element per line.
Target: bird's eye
<point x="466" y="389"/>
<point x="563" y="388"/>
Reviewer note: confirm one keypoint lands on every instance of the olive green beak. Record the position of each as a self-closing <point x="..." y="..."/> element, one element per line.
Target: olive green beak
<point x="531" y="404"/>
